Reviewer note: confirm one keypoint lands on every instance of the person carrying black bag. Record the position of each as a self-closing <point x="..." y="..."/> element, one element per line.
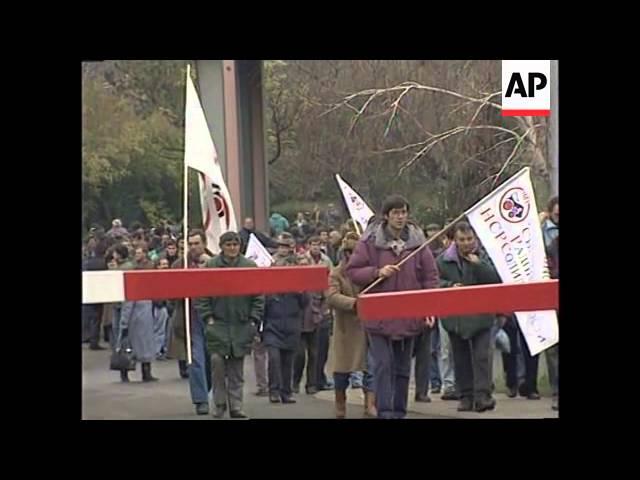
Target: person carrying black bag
<point x="136" y="330"/>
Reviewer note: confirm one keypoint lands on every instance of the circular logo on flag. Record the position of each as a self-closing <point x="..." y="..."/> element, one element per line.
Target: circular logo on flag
<point x="356" y="202"/>
<point x="220" y="205"/>
<point x="515" y="205"/>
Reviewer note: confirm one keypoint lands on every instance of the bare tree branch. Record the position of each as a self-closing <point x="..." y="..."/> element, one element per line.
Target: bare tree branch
<point x="443" y="136"/>
<point x="406" y="147"/>
<point x="496" y="176"/>
<point x="361" y="111"/>
<point x="374" y="92"/>
<point x="483" y="104"/>
<point x="395" y="110"/>
<point x="413" y="117"/>
<point x="489" y="149"/>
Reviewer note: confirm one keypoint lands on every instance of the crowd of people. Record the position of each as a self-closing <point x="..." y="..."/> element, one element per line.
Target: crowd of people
<point x="289" y="335"/>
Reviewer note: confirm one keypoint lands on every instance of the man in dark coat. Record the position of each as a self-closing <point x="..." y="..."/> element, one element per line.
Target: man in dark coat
<point x="231" y="325"/>
<point x="282" y="330"/>
<point x="384" y="244"/>
<point x="470" y="335"/>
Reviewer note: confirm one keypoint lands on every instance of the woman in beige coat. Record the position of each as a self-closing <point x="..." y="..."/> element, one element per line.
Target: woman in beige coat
<point x="349" y="338"/>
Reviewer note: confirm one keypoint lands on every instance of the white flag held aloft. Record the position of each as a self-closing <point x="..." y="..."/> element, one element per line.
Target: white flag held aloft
<point x="507" y="224"/>
<point x="358" y="209"/>
<point x="257" y="252"/>
<point x="218" y="215"/>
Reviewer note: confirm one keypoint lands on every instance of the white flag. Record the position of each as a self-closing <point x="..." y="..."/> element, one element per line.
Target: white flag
<point x="258" y="253"/>
<point x="507" y="224"/>
<point x="358" y="209"/>
<point x="200" y="154"/>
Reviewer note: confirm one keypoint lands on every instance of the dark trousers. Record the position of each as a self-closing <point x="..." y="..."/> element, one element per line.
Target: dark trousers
<point x="436" y="381"/>
<point x="280" y="370"/>
<point x="471" y="364"/>
<point x="552" y="355"/>
<point x="422" y="350"/>
<point x="92" y="318"/>
<point x="323" y="334"/>
<point x="530" y="368"/>
<point x="510" y="360"/>
<point x="391" y="370"/>
<point x="308" y="348"/>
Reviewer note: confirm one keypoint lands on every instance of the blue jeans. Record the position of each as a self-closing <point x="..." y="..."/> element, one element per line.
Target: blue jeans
<point x="200" y="368"/>
<point x="356" y="378"/>
<point x="392" y="370"/>
<point x="341" y="381"/>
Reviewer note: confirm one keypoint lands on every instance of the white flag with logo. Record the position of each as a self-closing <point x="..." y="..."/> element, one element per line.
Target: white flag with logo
<point x="507" y="224"/>
<point x="200" y="154"/>
<point x="358" y="209"/>
<point x="257" y="252"/>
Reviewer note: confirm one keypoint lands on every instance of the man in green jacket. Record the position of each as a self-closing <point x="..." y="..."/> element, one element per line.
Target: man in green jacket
<point x="461" y="265"/>
<point x="231" y="324"/>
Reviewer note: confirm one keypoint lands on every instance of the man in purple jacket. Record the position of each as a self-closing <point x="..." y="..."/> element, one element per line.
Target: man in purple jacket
<point x="382" y="246"/>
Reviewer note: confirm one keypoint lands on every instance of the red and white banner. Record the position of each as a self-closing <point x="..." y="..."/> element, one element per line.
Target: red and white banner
<point x="127" y="285"/>
<point x="442" y="302"/>
<point x="218" y="215"/>
<point x="507" y="224"/>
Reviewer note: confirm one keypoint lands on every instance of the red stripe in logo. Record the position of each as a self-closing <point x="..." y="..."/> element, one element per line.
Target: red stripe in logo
<point x="525" y="113"/>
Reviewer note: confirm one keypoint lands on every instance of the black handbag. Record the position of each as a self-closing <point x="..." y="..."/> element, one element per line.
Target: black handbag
<point x="123" y="359"/>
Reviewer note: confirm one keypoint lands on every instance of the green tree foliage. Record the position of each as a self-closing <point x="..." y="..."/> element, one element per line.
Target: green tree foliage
<point x="132" y="119"/>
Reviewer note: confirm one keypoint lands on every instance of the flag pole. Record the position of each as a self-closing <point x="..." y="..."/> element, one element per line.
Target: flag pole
<point x="185" y="227"/>
<point x="357" y="225"/>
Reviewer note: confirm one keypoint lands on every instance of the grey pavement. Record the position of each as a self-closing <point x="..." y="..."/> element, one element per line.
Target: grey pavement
<point x="104" y="397"/>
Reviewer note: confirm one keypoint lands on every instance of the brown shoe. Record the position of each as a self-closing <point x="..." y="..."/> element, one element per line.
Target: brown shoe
<point x="341" y="403"/>
<point x="370" y="405"/>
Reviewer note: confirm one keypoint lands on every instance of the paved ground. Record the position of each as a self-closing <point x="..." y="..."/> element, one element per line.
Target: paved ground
<point x="104" y="397"/>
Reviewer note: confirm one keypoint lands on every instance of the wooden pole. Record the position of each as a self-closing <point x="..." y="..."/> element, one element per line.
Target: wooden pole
<point x="185" y="232"/>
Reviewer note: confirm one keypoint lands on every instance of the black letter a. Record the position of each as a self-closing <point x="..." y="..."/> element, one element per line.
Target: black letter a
<point x="516" y="79"/>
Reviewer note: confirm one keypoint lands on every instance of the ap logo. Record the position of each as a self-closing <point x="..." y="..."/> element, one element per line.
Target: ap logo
<point x="526" y="89"/>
